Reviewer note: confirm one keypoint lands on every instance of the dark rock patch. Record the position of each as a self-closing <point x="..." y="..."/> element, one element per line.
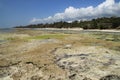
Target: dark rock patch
<point x="33" y="64"/>
<point x="36" y="77"/>
<point x="72" y="77"/>
<point x="110" y="77"/>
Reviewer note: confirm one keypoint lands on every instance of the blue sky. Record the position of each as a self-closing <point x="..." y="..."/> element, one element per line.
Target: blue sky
<point x="24" y="12"/>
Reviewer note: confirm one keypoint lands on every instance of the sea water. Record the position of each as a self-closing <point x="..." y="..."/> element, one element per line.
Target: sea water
<point x="6" y="30"/>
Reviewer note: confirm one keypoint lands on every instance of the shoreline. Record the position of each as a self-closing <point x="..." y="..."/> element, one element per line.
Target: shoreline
<point x="61" y="29"/>
<point x="104" y="30"/>
<point x="74" y="29"/>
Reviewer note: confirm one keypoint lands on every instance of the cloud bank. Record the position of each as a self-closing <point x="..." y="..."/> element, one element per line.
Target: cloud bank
<point x="106" y="9"/>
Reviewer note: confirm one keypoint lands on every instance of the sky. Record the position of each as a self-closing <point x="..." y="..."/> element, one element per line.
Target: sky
<point x="24" y="12"/>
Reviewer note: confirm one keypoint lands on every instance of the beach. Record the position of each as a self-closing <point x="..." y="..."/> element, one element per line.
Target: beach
<point x="59" y="54"/>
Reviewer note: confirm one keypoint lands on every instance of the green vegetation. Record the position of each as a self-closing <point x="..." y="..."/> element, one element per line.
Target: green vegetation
<point x="110" y="41"/>
<point x="27" y="38"/>
<point x="108" y="37"/>
<point x="99" y="23"/>
<point x="18" y="39"/>
<point x="48" y="36"/>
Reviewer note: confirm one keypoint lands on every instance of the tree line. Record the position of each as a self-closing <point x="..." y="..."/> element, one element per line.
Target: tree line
<point x="99" y="23"/>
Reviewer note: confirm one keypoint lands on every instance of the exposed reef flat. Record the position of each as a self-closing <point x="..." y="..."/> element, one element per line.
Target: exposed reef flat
<point x="27" y="54"/>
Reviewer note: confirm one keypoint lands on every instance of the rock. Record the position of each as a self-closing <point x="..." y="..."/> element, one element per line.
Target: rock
<point x="4" y="72"/>
<point x="110" y="77"/>
<point x="17" y="75"/>
<point x="36" y="77"/>
<point x="72" y="77"/>
<point x="87" y="78"/>
<point x="68" y="46"/>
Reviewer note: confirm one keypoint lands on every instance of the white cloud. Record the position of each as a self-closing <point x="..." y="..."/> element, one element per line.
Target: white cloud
<point x="106" y="9"/>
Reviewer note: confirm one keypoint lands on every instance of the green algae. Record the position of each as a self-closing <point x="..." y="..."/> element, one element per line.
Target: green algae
<point x="48" y="36"/>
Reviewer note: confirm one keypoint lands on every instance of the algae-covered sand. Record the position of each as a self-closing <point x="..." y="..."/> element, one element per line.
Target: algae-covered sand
<point x="27" y="54"/>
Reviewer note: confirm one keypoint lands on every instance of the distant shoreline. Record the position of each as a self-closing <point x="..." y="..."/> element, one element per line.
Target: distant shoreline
<point x="104" y="30"/>
<point x="66" y="29"/>
<point x="75" y="29"/>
